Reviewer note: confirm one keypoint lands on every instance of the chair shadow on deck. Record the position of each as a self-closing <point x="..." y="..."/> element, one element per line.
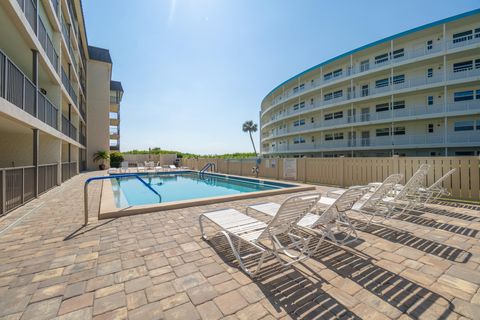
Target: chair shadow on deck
<point x="287" y="289"/>
<point x="456" y="204"/>
<point x="408" y="239"/>
<point x="446" y="213"/>
<point x="406" y="296"/>
<point x="413" y="217"/>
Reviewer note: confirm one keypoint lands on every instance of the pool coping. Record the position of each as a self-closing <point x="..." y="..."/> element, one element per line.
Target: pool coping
<point x="109" y="210"/>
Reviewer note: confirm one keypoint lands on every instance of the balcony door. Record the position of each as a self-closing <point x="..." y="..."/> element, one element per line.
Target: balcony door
<point x="352" y="115"/>
<point x="365" y="138"/>
<point x="365" y="116"/>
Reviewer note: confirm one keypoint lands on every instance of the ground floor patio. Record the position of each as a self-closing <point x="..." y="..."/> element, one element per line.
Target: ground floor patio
<point x="155" y="266"/>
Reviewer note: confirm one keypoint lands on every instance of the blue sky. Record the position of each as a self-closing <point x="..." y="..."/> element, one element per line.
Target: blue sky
<point x="194" y="70"/>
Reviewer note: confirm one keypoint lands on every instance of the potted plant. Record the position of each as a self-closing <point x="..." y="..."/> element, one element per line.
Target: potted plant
<point x="116" y="158"/>
<point x="101" y="156"/>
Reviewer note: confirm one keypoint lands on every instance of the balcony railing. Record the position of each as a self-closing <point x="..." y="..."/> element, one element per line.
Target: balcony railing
<point x="68" y="128"/>
<point x="395" y="141"/>
<point x="47" y="44"/>
<point x="69" y="170"/>
<point x="29" y="8"/>
<point x="358" y="69"/>
<point x="19" y="90"/>
<point x="47" y="177"/>
<point x="389" y="115"/>
<point x="409" y="83"/>
<point x="17" y="186"/>
<point x="68" y="86"/>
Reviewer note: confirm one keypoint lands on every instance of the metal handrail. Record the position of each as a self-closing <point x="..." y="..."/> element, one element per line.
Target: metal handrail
<point x="87" y="182"/>
<point x="208" y="166"/>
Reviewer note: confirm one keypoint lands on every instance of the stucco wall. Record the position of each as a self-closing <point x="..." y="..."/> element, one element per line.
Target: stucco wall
<point x="98" y="104"/>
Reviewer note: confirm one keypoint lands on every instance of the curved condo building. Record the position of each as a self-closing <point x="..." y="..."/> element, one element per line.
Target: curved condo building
<point x="416" y="93"/>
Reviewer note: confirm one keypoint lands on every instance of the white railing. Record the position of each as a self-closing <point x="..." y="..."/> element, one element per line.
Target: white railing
<point x="467" y="41"/>
<point x="359" y="93"/>
<point x="358" y="69"/>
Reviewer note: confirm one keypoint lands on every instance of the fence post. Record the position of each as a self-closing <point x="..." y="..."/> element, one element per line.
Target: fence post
<point x="241" y="167"/>
<point x="228" y="166"/>
<point x="342" y="171"/>
<point x="278" y="168"/>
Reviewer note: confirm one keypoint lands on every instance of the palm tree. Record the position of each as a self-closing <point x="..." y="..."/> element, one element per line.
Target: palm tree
<point x="250" y="126"/>
<point x="101" y="156"/>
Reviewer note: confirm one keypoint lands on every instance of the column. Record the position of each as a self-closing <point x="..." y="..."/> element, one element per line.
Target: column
<point x="35" y="78"/>
<point x="36" y="149"/>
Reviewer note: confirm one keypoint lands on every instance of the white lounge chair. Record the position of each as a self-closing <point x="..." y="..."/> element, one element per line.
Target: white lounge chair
<point x="140" y="167"/>
<point x="332" y="222"/>
<point x="235" y="225"/>
<point x="435" y="191"/>
<point x="124" y="166"/>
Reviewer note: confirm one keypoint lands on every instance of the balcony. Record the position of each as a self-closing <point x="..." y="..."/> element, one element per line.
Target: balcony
<point x="68" y="86"/>
<point x="68" y="128"/>
<point x="387" y="142"/>
<point x="389" y="62"/>
<point x="20" y="91"/>
<point x="360" y="94"/>
<point x="407" y="113"/>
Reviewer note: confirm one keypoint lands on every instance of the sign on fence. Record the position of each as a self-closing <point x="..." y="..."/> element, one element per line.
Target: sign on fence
<point x="290" y="169"/>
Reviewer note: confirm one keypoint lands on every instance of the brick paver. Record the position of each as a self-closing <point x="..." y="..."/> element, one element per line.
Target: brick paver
<point x="421" y="265"/>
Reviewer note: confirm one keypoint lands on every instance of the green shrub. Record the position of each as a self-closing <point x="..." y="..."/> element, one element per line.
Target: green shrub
<point x="116" y="159"/>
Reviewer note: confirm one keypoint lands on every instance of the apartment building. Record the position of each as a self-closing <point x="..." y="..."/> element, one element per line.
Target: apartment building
<point x="53" y="104"/>
<point x="416" y="93"/>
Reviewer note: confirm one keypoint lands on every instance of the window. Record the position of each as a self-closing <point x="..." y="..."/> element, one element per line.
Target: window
<point x="430" y="100"/>
<point x="302" y="104"/>
<point x="430" y="128"/>
<point x="299" y="123"/>
<point x="462" y="36"/>
<point x="477" y="33"/>
<point x="381" y="58"/>
<point x="463" y="96"/>
<point x="365" y="90"/>
<point x="429" y="44"/>
<point x="478" y="124"/>
<point x="328" y="137"/>
<point x="311" y="101"/>
<point x="338" y="135"/>
<point x="398" y="53"/>
<point x="338" y="94"/>
<point x="477" y="94"/>
<point x="464" y="153"/>
<point x="302" y="86"/>
<point x="398" y="79"/>
<point x="464" y="125"/>
<point x="295" y="106"/>
<point x="399" y="104"/>
<point x="399" y="131"/>
<point x="337" y="115"/>
<point x="328" y="116"/>
<point x="337" y="73"/>
<point x="381" y="83"/>
<point x="312" y="120"/>
<point x="382" y="107"/>
<point x="295" y="90"/>
<point x="383" y="132"/>
<point x="313" y="139"/>
<point x="299" y="140"/>
<point x="477" y="64"/>
<point x="462" y="66"/>
<point x="328" y="76"/>
<point x="328" y="96"/>
<point x="364" y="65"/>
<point x="429" y="72"/>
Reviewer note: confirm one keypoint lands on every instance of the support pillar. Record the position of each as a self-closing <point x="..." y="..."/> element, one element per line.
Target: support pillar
<point x="36" y="149"/>
<point x="35" y="79"/>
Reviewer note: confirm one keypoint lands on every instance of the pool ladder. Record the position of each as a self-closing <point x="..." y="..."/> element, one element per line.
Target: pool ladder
<point x="210" y="166"/>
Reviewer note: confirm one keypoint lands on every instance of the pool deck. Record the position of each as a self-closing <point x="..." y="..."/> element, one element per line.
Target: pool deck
<point x="156" y="266"/>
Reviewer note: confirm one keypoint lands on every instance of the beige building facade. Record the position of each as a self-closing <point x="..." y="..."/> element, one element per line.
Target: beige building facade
<point x="416" y="93"/>
<point x="54" y="98"/>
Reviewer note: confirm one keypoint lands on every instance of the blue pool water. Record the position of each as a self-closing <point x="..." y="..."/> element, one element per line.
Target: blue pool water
<point x="168" y="187"/>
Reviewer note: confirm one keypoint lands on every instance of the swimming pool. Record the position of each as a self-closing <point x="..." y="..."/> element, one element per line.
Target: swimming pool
<point x="148" y="192"/>
<point x="170" y="187"/>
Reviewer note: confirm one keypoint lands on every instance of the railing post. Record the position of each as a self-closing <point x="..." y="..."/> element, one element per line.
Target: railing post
<point x="35" y="80"/>
<point x="23" y="185"/>
<point x="5" y="76"/>
<point x="4" y="191"/>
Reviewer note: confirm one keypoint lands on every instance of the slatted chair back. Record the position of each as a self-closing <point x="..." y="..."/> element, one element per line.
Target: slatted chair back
<point x="438" y="184"/>
<point x="414" y="184"/>
<point x="382" y="191"/>
<point x="290" y="212"/>
<point x="338" y="209"/>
